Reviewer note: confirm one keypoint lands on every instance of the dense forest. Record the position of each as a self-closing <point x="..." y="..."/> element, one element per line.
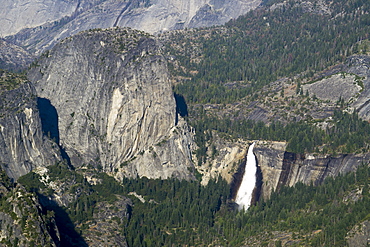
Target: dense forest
<point x="185" y="213"/>
<point x="224" y="65"/>
<point x="347" y="134"/>
<point x="264" y="45"/>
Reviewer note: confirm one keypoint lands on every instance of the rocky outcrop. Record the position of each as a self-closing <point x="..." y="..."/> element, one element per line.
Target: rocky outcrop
<point x="105" y="230"/>
<point x="224" y="158"/>
<point x="23" y="145"/>
<point x="359" y="235"/>
<point x="22" y="221"/>
<point x="114" y="104"/>
<point x="47" y="22"/>
<point x="334" y="88"/>
<point x="86" y="213"/>
<point x="360" y="66"/>
<point x="349" y="82"/>
<point x="13" y="57"/>
<point x="281" y="168"/>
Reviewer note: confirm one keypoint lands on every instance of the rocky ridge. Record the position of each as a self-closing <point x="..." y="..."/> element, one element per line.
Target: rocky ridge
<point x="280" y="168"/>
<point x="13" y="57"/>
<point x="48" y="22"/>
<point x="24" y="146"/>
<point x="23" y="220"/>
<point x="87" y="213"/>
<point x="116" y="109"/>
<point x="342" y="87"/>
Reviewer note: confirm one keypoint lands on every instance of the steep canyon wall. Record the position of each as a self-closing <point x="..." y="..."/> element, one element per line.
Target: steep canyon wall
<point x="115" y="105"/>
<point x="23" y="144"/>
<point x="280" y="168"/>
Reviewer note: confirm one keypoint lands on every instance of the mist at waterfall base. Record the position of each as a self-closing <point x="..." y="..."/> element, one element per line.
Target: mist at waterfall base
<point x="245" y="192"/>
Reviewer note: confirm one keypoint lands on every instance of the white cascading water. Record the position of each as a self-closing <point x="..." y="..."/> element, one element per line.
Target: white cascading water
<point x="244" y="195"/>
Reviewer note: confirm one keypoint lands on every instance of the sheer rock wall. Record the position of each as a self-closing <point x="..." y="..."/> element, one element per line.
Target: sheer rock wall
<point x="115" y="106"/>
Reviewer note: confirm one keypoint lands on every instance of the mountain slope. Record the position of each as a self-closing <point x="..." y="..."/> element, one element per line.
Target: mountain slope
<point x="65" y="18"/>
<point x="14" y="58"/>
<point x="295" y="72"/>
<point x="270" y="65"/>
<point x="23" y="144"/>
<point x="302" y="67"/>
<point x="23" y="220"/>
<point x="114" y="104"/>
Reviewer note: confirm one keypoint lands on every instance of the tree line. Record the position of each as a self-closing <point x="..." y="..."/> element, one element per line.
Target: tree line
<point x="345" y="133"/>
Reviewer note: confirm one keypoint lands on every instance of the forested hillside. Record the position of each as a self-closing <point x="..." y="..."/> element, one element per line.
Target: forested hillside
<point x="264" y="45"/>
<point x="172" y="212"/>
<point x="227" y="73"/>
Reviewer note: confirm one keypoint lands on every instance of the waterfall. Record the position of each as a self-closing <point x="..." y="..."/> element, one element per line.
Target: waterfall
<point x="245" y="192"/>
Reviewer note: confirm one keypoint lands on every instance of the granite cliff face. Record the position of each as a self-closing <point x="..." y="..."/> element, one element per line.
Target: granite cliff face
<point x="23" y="145"/>
<point x="280" y="168"/>
<point x="114" y="104"/>
<point x="17" y="15"/>
<point x="47" y="22"/>
<point x="276" y="166"/>
<point x="224" y="162"/>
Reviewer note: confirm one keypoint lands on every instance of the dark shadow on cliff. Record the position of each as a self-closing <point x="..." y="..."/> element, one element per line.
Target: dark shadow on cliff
<point x="288" y="163"/>
<point x="235" y="185"/>
<point x="49" y="124"/>
<point x="258" y="189"/>
<point x="68" y="234"/>
<point x="49" y="118"/>
<point x="181" y="106"/>
<point x="237" y="179"/>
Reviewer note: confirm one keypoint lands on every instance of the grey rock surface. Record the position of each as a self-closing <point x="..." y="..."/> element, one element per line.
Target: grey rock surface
<point x="16" y="15"/>
<point x="349" y="82"/>
<point x="65" y="18"/>
<point x="360" y="65"/>
<point x="13" y="57"/>
<point x="115" y="105"/>
<point x="334" y="88"/>
<point x="359" y="235"/>
<point x="20" y="14"/>
<point x="22" y="222"/>
<point x="23" y="145"/>
<point x="280" y="168"/>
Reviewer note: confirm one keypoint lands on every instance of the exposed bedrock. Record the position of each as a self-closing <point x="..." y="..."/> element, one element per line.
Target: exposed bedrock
<point x="23" y="144"/>
<point x="281" y="168"/>
<point x="115" y="106"/>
